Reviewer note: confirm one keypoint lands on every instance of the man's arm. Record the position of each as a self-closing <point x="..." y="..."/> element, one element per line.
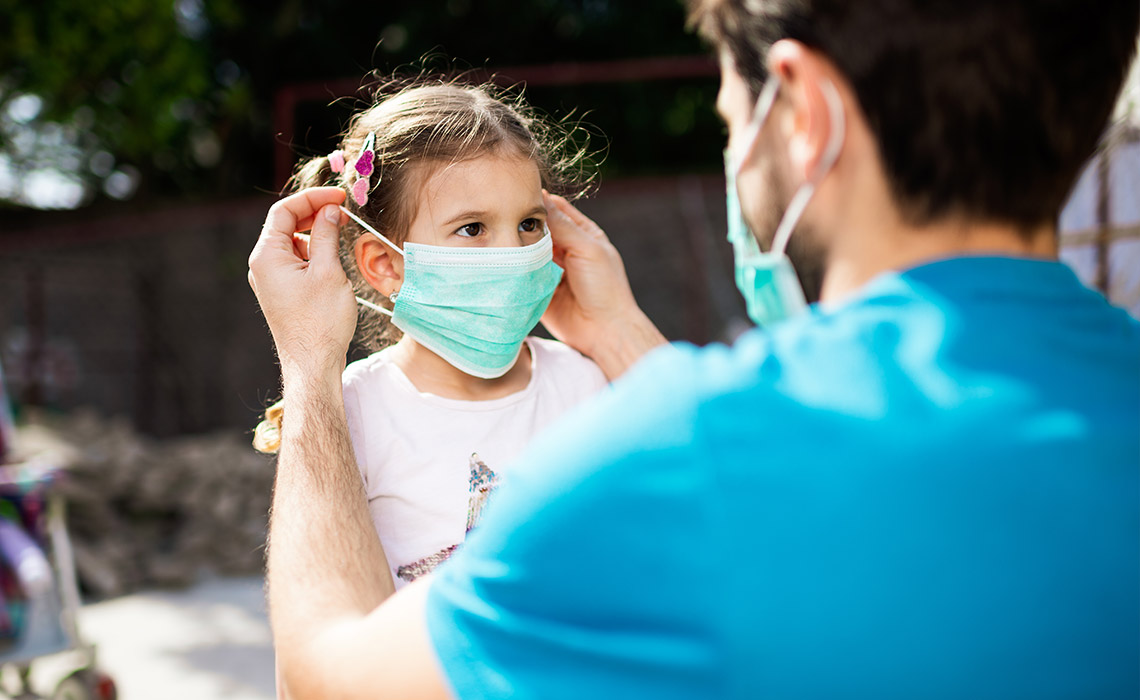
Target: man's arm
<point x="327" y="573"/>
<point x="593" y="310"/>
<point x="338" y="631"/>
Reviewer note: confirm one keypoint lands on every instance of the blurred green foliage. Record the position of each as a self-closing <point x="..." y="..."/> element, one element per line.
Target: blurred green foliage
<point x="179" y="94"/>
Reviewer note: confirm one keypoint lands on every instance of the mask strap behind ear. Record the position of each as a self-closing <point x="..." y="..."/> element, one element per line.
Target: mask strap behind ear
<point x="373" y="231"/>
<point x="830" y="155"/>
<point x="759" y="115"/>
<point x="765" y="99"/>
<point x="369" y="305"/>
<point x="364" y="302"/>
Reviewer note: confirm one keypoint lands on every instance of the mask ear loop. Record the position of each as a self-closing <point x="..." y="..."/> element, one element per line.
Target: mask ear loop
<point x="369" y="305"/>
<point x="364" y="302"/>
<point x="759" y="117"/>
<point x="373" y="231"/>
<point x="830" y="155"/>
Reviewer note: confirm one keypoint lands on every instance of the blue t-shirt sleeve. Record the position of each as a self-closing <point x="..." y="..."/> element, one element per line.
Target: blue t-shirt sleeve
<point x="579" y="582"/>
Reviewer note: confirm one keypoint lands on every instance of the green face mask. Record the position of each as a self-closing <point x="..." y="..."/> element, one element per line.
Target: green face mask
<point x="472" y="306"/>
<point x="768" y="282"/>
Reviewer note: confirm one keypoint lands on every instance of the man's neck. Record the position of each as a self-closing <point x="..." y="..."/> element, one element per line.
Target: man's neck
<point x="883" y="246"/>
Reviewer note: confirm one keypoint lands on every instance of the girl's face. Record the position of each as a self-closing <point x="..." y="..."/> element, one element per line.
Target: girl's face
<point x="493" y="201"/>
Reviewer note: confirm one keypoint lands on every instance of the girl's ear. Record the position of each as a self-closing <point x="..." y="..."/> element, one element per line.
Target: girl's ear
<point x="381" y="267"/>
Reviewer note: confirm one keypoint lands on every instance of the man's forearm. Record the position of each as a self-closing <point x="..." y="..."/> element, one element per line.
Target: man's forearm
<point x="325" y="562"/>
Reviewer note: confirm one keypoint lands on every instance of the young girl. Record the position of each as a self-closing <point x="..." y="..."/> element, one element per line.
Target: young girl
<point x="449" y="256"/>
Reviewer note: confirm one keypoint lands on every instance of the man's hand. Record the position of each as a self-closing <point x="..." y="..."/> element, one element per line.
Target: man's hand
<point x="308" y="303"/>
<point x="327" y="575"/>
<point x="593" y="309"/>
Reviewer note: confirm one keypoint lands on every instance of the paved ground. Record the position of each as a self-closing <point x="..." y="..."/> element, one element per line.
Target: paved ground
<point x="209" y="641"/>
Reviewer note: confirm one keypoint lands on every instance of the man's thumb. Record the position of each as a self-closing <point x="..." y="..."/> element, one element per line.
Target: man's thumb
<point x="324" y="238"/>
<point x="564" y="231"/>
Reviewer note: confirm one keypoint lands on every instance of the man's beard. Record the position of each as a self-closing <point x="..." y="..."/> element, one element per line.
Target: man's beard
<point x="804" y="251"/>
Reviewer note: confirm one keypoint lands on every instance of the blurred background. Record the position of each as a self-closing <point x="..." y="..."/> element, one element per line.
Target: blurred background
<point x="141" y="143"/>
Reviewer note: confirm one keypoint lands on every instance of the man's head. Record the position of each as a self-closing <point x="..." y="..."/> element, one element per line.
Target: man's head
<point x="977" y="110"/>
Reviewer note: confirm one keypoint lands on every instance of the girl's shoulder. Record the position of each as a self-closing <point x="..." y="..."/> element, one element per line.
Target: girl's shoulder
<point x="377" y="367"/>
<point x="560" y="362"/>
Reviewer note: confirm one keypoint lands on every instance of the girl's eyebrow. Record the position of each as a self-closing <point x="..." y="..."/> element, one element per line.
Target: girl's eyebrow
<point x="476" y="214"/>
<point x="480" y="215"/>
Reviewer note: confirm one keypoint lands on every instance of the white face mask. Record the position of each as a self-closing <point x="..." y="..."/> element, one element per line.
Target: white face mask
<point x="768" y="281"/>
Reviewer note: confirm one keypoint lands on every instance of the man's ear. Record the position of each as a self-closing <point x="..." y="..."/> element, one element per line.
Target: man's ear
<point x="382" y="268"/>
<point x="807" y="118"/>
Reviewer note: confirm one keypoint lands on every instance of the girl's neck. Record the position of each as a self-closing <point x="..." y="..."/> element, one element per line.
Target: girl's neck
<point x="431" y="374"/>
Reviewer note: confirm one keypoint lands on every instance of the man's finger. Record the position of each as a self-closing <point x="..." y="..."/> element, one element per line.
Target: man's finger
<point x="564" y="231"/>
<point x="301" y="245"/>
<point x="286" y="216"/>
<point x="306" y="223"/>
<point x="324" y="239"/>
<point x="568" y="210"/>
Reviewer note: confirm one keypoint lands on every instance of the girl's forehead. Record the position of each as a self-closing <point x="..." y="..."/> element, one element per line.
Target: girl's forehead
<point x="488" y="182"/>
<point x="482" y="168"/>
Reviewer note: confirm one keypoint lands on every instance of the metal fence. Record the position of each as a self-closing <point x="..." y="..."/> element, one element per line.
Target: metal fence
<point x="149" y="315"/>
<point x="1100" y="226"/>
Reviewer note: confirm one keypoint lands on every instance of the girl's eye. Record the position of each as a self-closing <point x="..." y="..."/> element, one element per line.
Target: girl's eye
<point x="470" y="230"/>
<point x="530" y="225"/>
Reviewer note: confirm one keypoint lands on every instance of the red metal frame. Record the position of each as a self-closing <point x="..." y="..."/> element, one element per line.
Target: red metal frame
<point x="620" y="71"/>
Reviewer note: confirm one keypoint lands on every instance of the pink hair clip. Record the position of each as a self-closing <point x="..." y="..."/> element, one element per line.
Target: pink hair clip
<point x="336" y="161"/>
<point x="360" y="192"/>
<point x="364" y="169"/>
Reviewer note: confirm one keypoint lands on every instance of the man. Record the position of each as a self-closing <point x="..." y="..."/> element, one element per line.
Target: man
<point x="927" y="486"/>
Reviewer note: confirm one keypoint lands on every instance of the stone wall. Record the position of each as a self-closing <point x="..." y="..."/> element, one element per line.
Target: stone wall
<point x="147" y="513"/>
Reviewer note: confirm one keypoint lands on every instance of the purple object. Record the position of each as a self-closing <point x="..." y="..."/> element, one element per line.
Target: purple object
<point x="364" y="163"/>
<point x="24" y="556"/>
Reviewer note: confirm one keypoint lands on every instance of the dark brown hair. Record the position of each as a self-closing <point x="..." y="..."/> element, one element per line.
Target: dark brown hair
<point x="981" y="109"/>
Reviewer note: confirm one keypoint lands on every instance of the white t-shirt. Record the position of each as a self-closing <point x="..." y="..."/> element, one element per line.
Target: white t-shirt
<point x="429" y="462"/>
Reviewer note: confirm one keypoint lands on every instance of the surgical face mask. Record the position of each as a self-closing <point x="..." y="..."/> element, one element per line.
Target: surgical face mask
<point x="768" y="281"/>
<point x="472" y="306"/>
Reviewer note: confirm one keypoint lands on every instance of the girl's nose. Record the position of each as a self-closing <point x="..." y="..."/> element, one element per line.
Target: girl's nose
<point x="507" y="238"/>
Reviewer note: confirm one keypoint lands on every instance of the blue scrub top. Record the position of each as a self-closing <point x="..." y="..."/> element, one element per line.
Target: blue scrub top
<point x="932" y="491"/>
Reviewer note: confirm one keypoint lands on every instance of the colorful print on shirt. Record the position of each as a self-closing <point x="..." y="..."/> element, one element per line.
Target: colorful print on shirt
<point x="482" y="482"/>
